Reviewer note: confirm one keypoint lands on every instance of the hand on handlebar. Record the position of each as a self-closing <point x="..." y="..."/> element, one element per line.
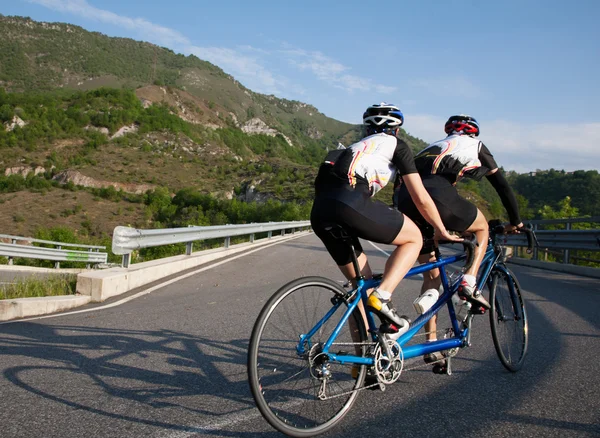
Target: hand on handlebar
<point x="513" y="229"/>
<point x="445" y="235"/>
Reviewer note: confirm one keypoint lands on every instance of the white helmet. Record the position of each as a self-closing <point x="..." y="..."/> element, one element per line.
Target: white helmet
<point x="382" y="116"/>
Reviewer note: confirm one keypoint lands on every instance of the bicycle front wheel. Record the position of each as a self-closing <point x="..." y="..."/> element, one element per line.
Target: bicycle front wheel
<point x="508" y="319"/>
<point x="296" y="388"/>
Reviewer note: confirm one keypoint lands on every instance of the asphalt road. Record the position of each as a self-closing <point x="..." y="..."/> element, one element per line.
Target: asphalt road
<point x="172" y="363"/>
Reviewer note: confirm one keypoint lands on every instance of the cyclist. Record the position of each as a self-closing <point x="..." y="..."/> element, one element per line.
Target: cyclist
<point x="441" y="165"/>
<point x="345" y="183"/>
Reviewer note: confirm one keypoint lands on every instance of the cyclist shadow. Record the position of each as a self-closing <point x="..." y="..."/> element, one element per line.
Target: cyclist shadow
<point x="146" y="370"/>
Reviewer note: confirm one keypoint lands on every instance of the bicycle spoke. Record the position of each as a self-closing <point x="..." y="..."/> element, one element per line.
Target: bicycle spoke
<point x="302" y="395"/>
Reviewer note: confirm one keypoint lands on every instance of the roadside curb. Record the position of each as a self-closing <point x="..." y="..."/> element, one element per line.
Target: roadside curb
<point x="584" y="271"/>
<point x="23" y="307"/>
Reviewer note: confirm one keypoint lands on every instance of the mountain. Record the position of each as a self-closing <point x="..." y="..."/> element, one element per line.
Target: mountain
<point x="84" y="109"/>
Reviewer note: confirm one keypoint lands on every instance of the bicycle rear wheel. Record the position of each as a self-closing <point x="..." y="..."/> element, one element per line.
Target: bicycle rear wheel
<point x="508" y="319"/>
<point x="286" y="383"/>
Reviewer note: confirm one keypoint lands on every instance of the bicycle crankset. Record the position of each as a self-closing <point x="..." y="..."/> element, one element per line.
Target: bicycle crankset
<point x="389" y="362"/>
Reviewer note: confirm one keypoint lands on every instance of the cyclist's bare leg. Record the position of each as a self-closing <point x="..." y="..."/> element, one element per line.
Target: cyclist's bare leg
<point x="350" y="274"/>
<point x="409" y="242"/>
<point x="431" y="280"/>
<point x="480" y="228"/>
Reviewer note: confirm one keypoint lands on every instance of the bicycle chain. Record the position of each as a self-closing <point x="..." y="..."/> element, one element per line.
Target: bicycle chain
<point x="372" y="344"/>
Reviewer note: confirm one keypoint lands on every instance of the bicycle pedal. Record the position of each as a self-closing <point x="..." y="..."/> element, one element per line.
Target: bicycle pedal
<point x="478" y="310"/>
<point x="439" y="368"/>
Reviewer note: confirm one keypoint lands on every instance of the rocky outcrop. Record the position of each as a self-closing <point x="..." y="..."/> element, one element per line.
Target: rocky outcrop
<point x="125" y="130"/>
<point x="257" y="126"/>
<point x="100" y="129"/>
<point x="79" y="179"/>
<point x="24" y="170"/>
<point x="16" y="121"/>
<point x="250" y="194"/>
<point x="314" y="133"/>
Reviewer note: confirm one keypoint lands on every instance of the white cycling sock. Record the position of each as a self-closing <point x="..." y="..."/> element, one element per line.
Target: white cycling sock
<point x="384" y="294"/>
<point x="470" y="280"/>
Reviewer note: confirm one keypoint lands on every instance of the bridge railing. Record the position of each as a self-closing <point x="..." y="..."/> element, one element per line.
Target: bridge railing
<point x="126" y="240"/>
<point x="22" y="247"/>
<point x="562" y="242"/>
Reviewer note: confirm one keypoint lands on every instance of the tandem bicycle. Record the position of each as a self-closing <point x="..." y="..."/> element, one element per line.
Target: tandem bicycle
<point x="311" y="351"/>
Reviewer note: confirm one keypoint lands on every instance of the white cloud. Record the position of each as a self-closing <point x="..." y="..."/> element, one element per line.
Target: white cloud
<point x="328" y="70"/>
<point x="245" y="68"/>
<point x="151" y="31"/>
<point x="526" y="147"/>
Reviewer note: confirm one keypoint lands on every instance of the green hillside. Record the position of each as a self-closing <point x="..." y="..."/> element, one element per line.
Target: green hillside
<point x="120" y="132"/>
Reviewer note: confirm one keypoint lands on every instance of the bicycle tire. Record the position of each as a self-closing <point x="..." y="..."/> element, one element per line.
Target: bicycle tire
<point x="282" y="381"/>
<point x="508" y="319"/>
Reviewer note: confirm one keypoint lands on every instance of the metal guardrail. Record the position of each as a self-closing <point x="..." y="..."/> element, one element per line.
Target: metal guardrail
<point x="561" y="240"/>
<point x="126" y="240"/>
<point x="58" y="254"/>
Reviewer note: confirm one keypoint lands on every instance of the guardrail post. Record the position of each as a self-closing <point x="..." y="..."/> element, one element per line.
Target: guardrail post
<point x="57" y="264"/>
<point x="126" y="260"/>
<point x="251" y="238"/>
<point x="10" y="259"/>
<point x="283" y="232"/>
<point x="188" y="248"/>
<point x="227" y="242"/>
<point x="566" y="251"/>
<point x="270" y="234"/>
<point x="535" y="250"/>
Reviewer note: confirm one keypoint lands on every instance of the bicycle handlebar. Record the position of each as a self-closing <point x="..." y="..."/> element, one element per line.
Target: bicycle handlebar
<point x="497" y="228"/>
<point x="531" y="238"/>
<point x="469" y="244"/>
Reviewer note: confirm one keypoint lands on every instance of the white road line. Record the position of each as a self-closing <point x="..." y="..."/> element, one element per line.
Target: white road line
<point x="379" y="249"/>
<point x="152" y="289"/>
<point x="211" y="426"/>
<point x="388" y="254"/>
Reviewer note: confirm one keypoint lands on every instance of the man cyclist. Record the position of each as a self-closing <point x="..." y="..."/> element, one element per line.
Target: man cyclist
<point x="441" y="165"/>
<point x="344" y="186"/>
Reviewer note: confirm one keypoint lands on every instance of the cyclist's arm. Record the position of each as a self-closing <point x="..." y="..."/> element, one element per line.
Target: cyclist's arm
<point x="507" y="196"/>
<point x="426" y="206"/>
<point x="498" y="181"/>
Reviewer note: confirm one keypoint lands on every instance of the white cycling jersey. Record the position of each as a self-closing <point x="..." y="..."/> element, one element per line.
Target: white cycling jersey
<point x="376" y="159"/>
<point x="456" y="156"/>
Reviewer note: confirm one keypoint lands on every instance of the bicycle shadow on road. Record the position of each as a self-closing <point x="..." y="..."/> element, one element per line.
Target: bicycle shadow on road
<point x="154" y="373"/>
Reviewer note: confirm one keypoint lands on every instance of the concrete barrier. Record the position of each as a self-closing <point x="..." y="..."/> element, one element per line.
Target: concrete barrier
<point x="100" y="285"/>
<point x="584" y="271"/>
<point x="25" y="307"/>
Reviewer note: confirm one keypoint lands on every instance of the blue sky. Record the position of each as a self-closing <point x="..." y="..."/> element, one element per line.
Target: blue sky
<point x="527" y="70"/>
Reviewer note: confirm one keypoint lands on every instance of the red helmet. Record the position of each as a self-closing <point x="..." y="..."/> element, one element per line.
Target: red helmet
<point x="462" y="124"/>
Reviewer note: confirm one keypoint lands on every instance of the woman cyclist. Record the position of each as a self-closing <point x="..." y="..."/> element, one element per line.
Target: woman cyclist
<point x="344" y="186"/>
<point x="441" y="165"/>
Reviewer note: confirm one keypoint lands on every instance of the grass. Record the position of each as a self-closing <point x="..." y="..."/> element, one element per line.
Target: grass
<point x="38" y="287"/>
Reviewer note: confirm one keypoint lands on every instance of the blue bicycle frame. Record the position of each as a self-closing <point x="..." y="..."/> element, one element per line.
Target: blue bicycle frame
<point x="460" y="338"/>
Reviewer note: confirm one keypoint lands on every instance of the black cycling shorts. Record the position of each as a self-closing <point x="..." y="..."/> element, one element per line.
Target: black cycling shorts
<point x="456" y="212"/>
<point x="358" y="214"/>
